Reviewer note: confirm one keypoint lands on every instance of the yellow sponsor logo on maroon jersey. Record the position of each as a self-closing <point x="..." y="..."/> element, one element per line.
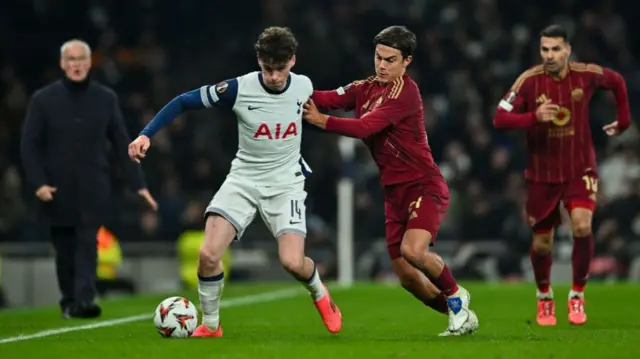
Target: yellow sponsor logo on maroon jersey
<point x="577" y="94"/>
<point x="562" y="117"/>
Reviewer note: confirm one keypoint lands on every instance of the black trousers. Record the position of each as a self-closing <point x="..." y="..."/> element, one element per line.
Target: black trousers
<point x="76" y="261"/>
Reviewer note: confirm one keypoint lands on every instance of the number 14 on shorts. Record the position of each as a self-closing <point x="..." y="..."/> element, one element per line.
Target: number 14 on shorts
<point x="296" y="212"/>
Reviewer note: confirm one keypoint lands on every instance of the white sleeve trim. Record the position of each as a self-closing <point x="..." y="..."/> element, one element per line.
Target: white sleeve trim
<point x="505" y="106"/>
<point x="204" y="97"/>
<point x="214" y="94"/>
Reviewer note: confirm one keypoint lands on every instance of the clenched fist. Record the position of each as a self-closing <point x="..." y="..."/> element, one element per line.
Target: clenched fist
<point x="547" y="111"/>
<point x="45" y="193"/>
<point x="138" y="148"/>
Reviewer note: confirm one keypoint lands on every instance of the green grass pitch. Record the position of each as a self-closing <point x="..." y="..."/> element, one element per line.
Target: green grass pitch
<point x="379" y="322"/>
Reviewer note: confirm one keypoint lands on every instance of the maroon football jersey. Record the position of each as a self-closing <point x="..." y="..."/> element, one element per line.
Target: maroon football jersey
<point x="390" y="120"/>
<point x="560" y="150"/>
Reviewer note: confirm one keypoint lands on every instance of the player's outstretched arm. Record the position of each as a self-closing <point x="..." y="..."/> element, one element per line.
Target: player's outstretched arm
<point x="390" y="112"/>
<point x="221" y="95"/>
<point x="612" y="80"/>
<point x="341" y="98"/>
<point x="187" y="101"/>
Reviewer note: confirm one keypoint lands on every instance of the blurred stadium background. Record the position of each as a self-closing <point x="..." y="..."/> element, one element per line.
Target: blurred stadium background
<point x="470" y="51"/>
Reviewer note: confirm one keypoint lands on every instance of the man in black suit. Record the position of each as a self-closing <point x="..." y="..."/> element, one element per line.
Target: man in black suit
<point x="65" y="155"/>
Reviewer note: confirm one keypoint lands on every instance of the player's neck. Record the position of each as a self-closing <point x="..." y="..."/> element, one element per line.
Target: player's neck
<point x="272" y="90"/>
<point x="560" y="75"/>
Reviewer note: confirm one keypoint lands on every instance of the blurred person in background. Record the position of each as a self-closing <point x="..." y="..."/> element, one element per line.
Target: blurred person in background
<point x="65" y="158"/>
<point x="551" y="102"/>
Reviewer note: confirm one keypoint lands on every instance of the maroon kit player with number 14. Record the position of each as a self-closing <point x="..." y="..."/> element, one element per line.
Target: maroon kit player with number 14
<point x="389" y="117"/>
<point x="561" y="164"/>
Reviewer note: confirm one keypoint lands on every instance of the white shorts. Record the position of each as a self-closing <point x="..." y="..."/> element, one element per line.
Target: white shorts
<point x="281" y="207"/>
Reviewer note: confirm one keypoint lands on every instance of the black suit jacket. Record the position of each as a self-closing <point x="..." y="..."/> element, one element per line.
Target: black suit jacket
<point x="65" y="144"/>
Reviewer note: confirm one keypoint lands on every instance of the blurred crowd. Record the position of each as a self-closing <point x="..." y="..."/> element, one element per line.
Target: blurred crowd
<point x="469" y="53"/>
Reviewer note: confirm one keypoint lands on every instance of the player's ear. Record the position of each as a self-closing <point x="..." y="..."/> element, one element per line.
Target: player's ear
<point x="407" y="60"/>
<point x="292" y="62"/>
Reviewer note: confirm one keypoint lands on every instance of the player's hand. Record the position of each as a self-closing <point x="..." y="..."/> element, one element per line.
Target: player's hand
<point x="45" y="193"/>
<point x="547" y="111"/>
<point x="612" y="129"/>
<point x="144" y="193"/>
<point x="138" y="148"/>
<point x="313" y="116"/>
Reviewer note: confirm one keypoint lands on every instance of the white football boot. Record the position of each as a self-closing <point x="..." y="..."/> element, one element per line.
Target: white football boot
<point x="462" y="320"/>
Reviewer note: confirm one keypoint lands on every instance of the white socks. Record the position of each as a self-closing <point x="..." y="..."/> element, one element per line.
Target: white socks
<point x="574" y="294"/>
<point x="544" y="296"/>
<point x="314" y="285"/>
<point x="210" y="292"/>
<point x="549" y="294"/>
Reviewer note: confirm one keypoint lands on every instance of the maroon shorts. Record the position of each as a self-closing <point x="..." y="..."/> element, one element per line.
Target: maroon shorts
<point x="544" y="199"/>
<point x="408" y="206"/>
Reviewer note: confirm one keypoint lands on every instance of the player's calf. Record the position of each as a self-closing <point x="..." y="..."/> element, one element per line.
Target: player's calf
<point x="581" y="255"/>
<point x="541" y="259"/>
<point x="293" y="260"/>
<point x="414" y="248"/>
<point x="416" y="283"/>
<point x="218" y="235"/>
<point x="583" y="248"/>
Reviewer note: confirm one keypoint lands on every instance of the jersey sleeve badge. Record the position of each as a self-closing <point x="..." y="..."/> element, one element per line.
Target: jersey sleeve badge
<point x="507" y="103"/>
<point x="222" y="87"/>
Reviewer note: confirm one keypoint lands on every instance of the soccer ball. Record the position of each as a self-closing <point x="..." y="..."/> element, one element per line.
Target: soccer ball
<point x="176" y="317"/>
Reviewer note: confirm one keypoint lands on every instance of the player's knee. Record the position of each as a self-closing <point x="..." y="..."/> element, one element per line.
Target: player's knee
<point x="542" y="242"/>
<point x="291" y="252"/>
<point x="208" y="257"/>
<point x="581" y="228"/>
<point x="581" y="221"/>
<point x="292" y="262"/>
<point x="217" y="236"/>
<point x="415" y="245"/>
<point x="412" y="252"/>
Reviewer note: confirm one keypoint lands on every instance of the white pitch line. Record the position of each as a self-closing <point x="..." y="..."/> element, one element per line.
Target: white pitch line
<point x="229" y="303"/>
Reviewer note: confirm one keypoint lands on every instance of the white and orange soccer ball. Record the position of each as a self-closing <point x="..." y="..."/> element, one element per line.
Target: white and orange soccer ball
<point x="176" y="317"/>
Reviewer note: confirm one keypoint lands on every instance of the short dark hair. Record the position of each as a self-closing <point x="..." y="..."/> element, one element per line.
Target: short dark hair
<point x="555" y="31"/>
<point x="276" y="46"/>
<point x="398" y="37"/>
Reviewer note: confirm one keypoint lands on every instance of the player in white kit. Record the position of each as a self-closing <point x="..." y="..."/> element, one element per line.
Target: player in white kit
<point x="267" y="176"/>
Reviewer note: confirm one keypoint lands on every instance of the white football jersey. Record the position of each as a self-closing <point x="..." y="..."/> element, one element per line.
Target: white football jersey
<point x="269" y="126"/>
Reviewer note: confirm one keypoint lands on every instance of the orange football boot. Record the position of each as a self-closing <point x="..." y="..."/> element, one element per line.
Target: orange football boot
<point x="546" y="313"/>
<point x="203" y="332"/>
<point x="329" y="312"/>
<point x="577" y="316"/>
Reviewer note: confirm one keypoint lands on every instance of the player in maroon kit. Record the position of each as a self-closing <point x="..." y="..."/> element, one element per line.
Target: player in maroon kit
<point x="551" y="101"/>
<point x="389" y="117"/>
